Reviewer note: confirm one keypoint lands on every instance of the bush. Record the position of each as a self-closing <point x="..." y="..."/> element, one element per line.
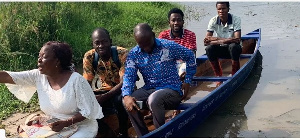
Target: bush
<point x="26" y="26"/>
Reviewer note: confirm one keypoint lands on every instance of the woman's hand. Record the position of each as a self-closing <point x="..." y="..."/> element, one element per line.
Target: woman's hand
<point x="59" y="125"/>
<point x="35" y="121"/>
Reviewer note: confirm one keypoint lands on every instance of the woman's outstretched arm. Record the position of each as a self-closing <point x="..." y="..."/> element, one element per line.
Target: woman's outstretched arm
<point x="5" y="78"/>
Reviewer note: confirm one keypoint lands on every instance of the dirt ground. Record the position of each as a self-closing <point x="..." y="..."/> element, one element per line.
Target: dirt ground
<point x="12" y="123"/>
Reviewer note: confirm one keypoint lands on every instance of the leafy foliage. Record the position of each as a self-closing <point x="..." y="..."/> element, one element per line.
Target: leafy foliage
<point x="26" y="26"/>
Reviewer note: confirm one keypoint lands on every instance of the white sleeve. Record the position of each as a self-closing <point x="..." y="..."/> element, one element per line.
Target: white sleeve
<point x="86" y="100"/>
<point x="25" y="85"/>
<point x="211" y="25"/>
<point x="237" y="24"/>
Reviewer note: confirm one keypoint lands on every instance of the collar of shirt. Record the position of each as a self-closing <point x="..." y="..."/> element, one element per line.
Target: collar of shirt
<point x="180" y="33"/>
<point x="229" y="21"/>
<point x="157" y="46"/>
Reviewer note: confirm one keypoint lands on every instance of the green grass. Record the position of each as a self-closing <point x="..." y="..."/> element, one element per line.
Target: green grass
<point x="26" y="26"/>
<point x="9" y="104"/>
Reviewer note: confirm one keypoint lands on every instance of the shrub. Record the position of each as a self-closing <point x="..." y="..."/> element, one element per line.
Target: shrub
<point x="26" y="26"/>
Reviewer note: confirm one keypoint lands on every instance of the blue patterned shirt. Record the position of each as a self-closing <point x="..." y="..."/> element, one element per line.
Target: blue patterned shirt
<point x="158" y="68"/>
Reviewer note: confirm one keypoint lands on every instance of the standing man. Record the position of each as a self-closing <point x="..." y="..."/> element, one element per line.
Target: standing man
<point x="226" y="44"/>
<point x="156" y="61"/>
<point x="103" y="67"/>
<point x="177" y="33"/>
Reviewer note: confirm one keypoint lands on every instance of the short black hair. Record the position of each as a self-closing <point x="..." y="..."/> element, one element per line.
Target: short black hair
<point x="101" y="29"/>
<point x="142" y="27"/>
<point x="175" y="10"/>
<point x="63" y="53"/>
<point x="223" y="2"/>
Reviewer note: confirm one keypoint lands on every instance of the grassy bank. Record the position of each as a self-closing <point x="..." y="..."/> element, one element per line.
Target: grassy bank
<point x="26" y="26"/>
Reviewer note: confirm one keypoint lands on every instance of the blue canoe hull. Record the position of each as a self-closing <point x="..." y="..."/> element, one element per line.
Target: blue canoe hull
<point x="196" y="113"/>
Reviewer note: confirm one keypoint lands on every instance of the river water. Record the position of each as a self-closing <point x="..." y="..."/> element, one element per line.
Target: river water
<point x="267" y="105"/>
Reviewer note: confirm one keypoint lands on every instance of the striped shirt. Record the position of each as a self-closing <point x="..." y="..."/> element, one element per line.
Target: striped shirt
<point x="187" y="39"/>
<point x="159" y="67"/>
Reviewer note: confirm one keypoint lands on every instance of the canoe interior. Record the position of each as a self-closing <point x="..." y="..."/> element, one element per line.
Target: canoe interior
<point x="204" y="69"/>
<point x="199" y="90"/>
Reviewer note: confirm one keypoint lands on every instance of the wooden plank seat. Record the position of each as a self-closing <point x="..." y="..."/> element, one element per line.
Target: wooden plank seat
<point x="204" y="57"/>
<point x="210" y="78"/>
<point x="254" y="35"/>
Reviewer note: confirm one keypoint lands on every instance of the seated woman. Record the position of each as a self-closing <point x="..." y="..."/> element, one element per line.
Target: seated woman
<point x="62" y="93"/>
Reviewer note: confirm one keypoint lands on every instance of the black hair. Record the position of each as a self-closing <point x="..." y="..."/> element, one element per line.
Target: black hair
<point x="175" y="10"/>
<point x="101" y="29"/>
<point x="223" y="2"/>
<point x="142" y="27"/>
<point x="63" y="53"/>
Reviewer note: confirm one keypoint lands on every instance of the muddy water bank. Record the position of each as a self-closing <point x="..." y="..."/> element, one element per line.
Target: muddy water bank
<point x="267" y="104"/>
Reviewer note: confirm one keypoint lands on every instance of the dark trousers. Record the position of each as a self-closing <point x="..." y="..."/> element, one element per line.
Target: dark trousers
<point x="231" y="51"/>
<point x="158" y="101"/>
<point x="115" y="105"/>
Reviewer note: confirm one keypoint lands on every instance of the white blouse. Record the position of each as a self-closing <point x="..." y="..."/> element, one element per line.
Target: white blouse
<point x="75" y="96"/>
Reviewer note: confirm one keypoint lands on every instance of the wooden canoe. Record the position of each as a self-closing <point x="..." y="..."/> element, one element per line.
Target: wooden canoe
<point x="205" y="97"/>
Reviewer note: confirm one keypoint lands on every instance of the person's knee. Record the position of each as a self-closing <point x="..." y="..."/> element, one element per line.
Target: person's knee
<point x="235" y="50"/>
<point x="234" y="47"/>
<point x="211" y="52"/>
<point x="209" y="48"/>
<point x="152" y="103"/>
<point x="155" y="101"/>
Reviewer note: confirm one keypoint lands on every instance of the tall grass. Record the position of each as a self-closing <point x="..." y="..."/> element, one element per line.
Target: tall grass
<point x="26" y="26"/>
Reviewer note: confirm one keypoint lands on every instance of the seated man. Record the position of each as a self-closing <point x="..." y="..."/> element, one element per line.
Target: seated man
<point x="226" y="43"/>
<point x="103" y="67"/>
<point x="177" y="33"/>
<point x="181" y="36"/>
<point x="156" y="61"/>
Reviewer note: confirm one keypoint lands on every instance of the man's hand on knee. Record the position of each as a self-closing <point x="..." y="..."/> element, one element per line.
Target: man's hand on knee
<point x="130" y="103"/>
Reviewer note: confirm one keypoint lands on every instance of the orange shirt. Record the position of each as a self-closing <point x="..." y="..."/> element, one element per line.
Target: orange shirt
<point x="108" y="73"/>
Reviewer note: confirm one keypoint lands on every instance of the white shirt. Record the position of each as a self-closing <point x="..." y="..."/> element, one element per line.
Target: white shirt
<point x="224" y="31"/>
<point x="75" y="96"/>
